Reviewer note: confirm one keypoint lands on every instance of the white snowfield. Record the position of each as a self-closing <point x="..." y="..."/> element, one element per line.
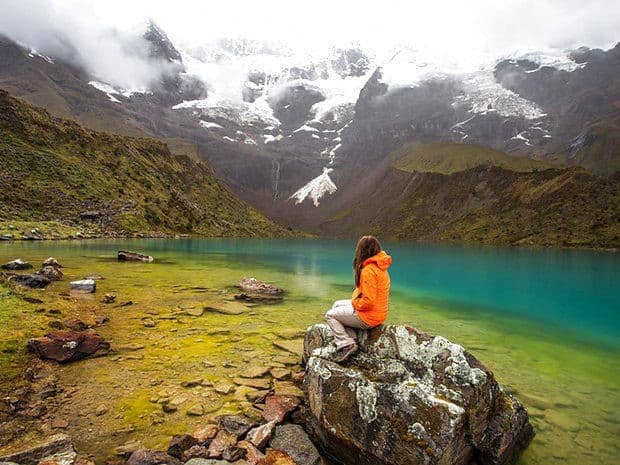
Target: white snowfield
<point x="316" y="188"/>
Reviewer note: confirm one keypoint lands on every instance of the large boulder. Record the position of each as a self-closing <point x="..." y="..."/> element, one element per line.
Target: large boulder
<point x="68" y="346"/>
<point x="128" y="256"/>
<point x="409" y="398"/>
<point x="34" y="281"/>
<point x="57" y="448"/>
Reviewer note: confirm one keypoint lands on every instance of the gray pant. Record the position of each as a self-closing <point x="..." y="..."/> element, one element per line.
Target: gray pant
<point x="343" y="320"/>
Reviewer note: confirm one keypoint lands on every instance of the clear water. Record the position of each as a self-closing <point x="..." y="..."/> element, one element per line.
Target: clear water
<point x="547" y="322"/>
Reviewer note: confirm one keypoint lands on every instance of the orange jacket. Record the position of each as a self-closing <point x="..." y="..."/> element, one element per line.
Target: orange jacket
<point x="370" y="298"/>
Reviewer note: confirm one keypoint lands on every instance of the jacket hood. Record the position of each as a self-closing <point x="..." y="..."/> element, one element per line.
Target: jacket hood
<point x="382" y="259"/>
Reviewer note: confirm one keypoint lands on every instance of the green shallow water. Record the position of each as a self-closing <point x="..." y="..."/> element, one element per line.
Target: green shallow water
<point x="545" y="321"/>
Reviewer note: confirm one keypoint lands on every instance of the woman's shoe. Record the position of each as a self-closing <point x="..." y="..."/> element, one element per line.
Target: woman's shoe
<point x="343" y="354"/>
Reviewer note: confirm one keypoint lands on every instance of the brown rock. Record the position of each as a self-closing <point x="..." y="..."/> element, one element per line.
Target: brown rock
<point x="196" y="452"/>
<point x="60" y="424"/>
<point x="222" y="440"/>
<point x="253" y="383"/>
<point x="255" y="286"/>
<point x="278" y="407"/>
<point x="252" y="454"/>
<point x="56" y="444"/>
<point x="152" y="457"/>
<point x="68" y="346"/>
<point x="51" y="261"/>
<point x="180" y="443"/>
<point x="235" y="424"/>
<point x="261" y="435"/>
<point x="234" y="453"/>
<point x="108" y="299"/>
<point x="280" y="373"/>
<point x="206" y="432"/>
<point x="126" y="255"/>
<point x="276" y="457"/>
<point x="51" y="273"/>
<point x="75" y="324"/>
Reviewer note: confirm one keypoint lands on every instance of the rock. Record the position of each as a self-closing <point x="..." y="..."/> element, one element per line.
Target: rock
<point x="15" y="265"/>
<point x="58" y="445"/>
<point x="255" y="372"/>
<point x="224" y="388"/>
<point x="196" y="452"/>
<point x="234" y="453"/>
<point x="84" y="285"/>
<point x="292" y="346"/>
<point x="254" y="286"/>
<point x="253" y="383"/>
<point x="148" y="323"/>
<point x="277" y="457"/>
<point x="293" y="440"/>
<point x="206" y="432"/>
<point x="51" y="261"/>
<point x="60" y="423"/>
<point x="226" y="307"/>
<point x="423" y="398"/>
<point x="30" y="280"/>
<point x="280" y="373"/>
<point x="261" y="435"/>
<point x="101" y="410"/>
<point x="125" y="255"/>
<point x="278" y="407"/>
<point x="196" y="410"/>
<point x="68" y="346"/>
<point x="108" y="299"/>
<point x="102" y="319"/>
<point x="152" y="457"/>
<point x="51" y="273"/>
<point x="259" y="298"/>
<point x="222" y="441"/>
<point x="199" y="461"/>
<point x="235" y="424"/>
<point x="6" y="237"/>
<point x="179" y="444"/>
<point x="194" y="311"/>
<point x="75" y="325"/>
<point x="252" y="454"/>
<point x="192" y="383"/>
<point x="128" y="448"/>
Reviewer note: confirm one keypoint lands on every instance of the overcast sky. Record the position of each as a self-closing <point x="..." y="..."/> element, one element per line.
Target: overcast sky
<point x="97" y="33"/>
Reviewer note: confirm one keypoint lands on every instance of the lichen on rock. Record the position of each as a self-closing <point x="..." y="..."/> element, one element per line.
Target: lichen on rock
<point x="407" y="397"/>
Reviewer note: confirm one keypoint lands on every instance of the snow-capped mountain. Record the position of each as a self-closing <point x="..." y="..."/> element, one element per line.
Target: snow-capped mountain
<point x="291" y="129"/>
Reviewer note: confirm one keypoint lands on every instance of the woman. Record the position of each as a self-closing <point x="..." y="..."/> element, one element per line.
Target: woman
<point x="369" y="304"/>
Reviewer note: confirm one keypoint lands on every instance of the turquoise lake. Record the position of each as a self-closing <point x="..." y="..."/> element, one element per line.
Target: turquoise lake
<point x="547" y="322"/>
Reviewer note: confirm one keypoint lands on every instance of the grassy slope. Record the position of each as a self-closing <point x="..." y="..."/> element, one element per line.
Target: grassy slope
<point x="498" y="199"/>
<point x="53" y="169"/>
<point x="449" y="158"/>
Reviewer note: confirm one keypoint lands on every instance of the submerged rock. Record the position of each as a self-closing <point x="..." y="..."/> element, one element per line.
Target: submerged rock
<point x="17" y="264"/>
<point x="125" y="255"/>
<point x="421" y="398"/>
<point x="84" y="285"/>
<point x="30" y="280"/>
<point x="57" y="448"/>
<point x="68" y="346"/>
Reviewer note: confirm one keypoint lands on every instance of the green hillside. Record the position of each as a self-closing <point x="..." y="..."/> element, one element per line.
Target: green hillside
<point x="54" y="170"/>
<point x="448" y="158"/>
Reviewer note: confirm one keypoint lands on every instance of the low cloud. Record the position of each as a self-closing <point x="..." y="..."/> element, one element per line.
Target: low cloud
<point x="75" y="34"/>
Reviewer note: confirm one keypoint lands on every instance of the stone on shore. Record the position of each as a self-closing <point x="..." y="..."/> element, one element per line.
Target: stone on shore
<point x="293" y="440"/>
<point x="15" y="265"/>
<point x="51" y="261"/>
<point x="58" y="448"/>
<point x="278" y="407"/>
<point x="34" y="281"/>
<point x="68" y="346"/>
<point x="422" y="398"/>
<point x="152" y="457"/>
<point x="126" y="255"/>
<point x="108" y="298"/>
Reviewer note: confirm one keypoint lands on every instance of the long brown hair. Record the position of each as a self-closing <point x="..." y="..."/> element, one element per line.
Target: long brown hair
<point x="367" y="246"/>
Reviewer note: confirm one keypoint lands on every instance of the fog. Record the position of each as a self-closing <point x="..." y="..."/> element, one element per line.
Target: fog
<point x="101" y="36"/>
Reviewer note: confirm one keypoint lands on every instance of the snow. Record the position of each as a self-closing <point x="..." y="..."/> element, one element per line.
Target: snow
<point x="314" y="136"/>
<point x="483" y="94"/>
<point x="559" y="60"/>
<point x="210" y="125"/>
<point x="520" y="136"/>
<point x="33" y="53"/>
<point x="306" y="128"/>
<point x="269" y="138"/>
<point x="316" y="188"/>
<point x="229" y="139"/>
<point x="106" y="89"/>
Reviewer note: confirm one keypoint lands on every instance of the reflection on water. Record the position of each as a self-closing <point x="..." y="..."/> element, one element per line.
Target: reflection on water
<point x="545" y="321"/>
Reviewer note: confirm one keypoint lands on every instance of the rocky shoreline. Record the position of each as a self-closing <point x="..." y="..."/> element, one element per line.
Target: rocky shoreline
<point x="406" y="398"/>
